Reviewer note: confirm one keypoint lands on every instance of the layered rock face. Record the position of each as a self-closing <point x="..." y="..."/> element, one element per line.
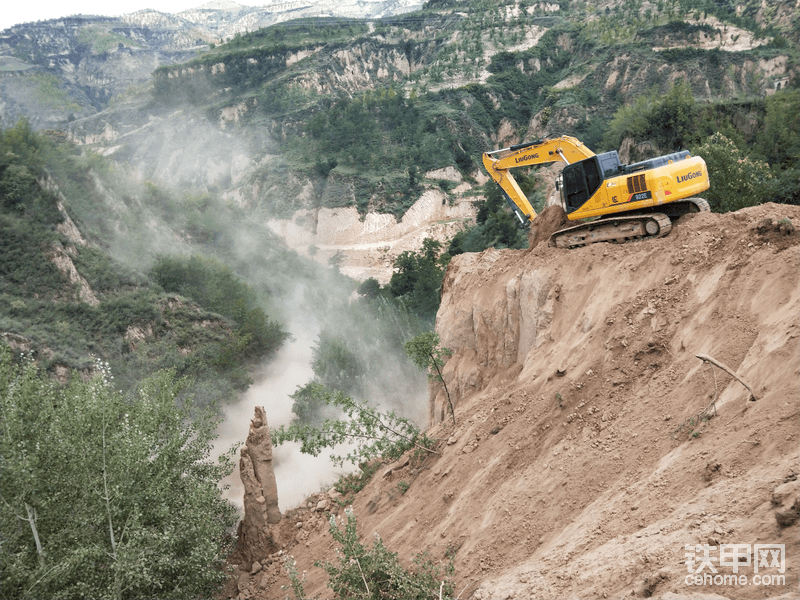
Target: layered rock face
<point x="260" y="491"/>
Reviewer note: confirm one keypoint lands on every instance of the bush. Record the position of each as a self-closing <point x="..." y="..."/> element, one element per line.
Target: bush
<point x="736" y="180"/>
<point x="376" y="573"/>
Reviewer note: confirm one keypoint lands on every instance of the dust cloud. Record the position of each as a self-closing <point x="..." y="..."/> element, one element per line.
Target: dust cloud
<point x="182" y="189"/>
<point x="394" y="384"/>
<point x="298" y="475"/>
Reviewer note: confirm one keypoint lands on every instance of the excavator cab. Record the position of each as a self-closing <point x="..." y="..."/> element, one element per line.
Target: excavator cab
<point x="580" y="180"/>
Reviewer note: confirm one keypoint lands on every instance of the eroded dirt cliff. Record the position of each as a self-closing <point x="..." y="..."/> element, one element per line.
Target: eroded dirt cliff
<point x="578" y="467"/>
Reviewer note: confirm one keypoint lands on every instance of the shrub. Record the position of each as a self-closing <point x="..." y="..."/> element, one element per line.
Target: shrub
<point x="377" y="573"/>
<point x="736" y="180"/>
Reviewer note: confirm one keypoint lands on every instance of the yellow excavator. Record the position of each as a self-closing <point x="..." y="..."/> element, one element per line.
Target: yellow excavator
<point x="632" y="201"/>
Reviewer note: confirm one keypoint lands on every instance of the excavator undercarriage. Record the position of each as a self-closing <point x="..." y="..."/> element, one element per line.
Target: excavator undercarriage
<point x="626" y="227"/>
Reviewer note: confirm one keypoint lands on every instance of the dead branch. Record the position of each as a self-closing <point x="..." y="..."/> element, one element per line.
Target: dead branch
<point x="729" y="371"/>
<point x="701" y="417"/>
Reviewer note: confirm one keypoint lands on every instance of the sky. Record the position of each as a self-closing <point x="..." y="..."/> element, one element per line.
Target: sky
<point x="15" y="12"/>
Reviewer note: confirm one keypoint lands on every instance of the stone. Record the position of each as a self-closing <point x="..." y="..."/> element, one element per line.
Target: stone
<point x="259" y="446"/>
<point x="260" y="492"/>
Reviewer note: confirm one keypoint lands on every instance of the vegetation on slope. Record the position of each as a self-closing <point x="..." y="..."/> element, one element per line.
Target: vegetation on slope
<point x="137" y="322"/>
<point x="106" y="496"/>
<point x="474" y="68"/>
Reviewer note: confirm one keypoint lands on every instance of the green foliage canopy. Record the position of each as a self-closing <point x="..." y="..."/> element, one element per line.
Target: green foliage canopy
<point x="216" y="287"/>
<point x="105" y="497"/>
<point x="737" y="181"/>
<point x="495" y="226"/>
<point x="417" y="278"/>
<point x="667" y="120"/>
<point x="779" y="142"/>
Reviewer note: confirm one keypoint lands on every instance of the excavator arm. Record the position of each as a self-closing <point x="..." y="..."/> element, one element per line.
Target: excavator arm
<point x="499" y="162"/>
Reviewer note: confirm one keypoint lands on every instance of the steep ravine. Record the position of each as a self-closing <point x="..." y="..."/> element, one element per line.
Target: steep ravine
<point x="573" y="471"/>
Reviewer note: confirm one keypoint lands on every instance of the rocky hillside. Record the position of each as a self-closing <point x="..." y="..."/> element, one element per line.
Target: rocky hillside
<point x="58" y="70"/>
<point x="592" y="444"/>
<point x="328" y="114"/>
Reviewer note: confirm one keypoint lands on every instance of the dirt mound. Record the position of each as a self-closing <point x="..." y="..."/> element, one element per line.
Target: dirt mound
<point x="546" y="223"/>
<point x="595" y="455"/>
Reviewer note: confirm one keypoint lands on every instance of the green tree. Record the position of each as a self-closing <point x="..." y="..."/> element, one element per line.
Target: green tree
<point x="417" y="278"/>
<point x="370" y="288"/>
<point x="427" y="354"/>
<point x="22" y="152"/>
<point x="370" y="432"/>
<point x="405" y="274"/>
<point x="495" y="225"/>
<point x="337" y="364"/>
<point x="668" y="120"/>
<point x="779" y="139"/>
<point x="736" y="180"/>
<point x="673" y="118"/>
<point x="307" y="406"/>
<point x="779" y="142"/>
<point x="104" y="497"/>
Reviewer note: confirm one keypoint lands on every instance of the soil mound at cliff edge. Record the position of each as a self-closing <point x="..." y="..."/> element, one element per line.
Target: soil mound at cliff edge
<point x="546" y="223"/>
<point x="593" y="450"/>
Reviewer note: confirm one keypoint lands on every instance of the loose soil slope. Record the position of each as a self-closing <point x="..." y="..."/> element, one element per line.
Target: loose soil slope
<point x="573" y="471"/>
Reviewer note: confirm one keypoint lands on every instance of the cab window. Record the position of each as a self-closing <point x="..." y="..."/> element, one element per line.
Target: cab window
<point x="581" y="181"/>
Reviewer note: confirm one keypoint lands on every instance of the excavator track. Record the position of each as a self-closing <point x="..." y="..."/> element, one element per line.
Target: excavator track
<point x="630" y="227"/>
<point x="613" y="229"/>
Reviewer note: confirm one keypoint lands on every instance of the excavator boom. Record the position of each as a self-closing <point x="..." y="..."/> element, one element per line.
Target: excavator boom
<point x="540" y="152"/>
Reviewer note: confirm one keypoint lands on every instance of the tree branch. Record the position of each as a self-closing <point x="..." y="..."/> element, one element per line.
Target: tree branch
<point x="32" y="520"/>
<point x="107" y="498"/>
<point x="729" y="371"/>
<point x="446" y="391"/>
<point x="405" y="437"/>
